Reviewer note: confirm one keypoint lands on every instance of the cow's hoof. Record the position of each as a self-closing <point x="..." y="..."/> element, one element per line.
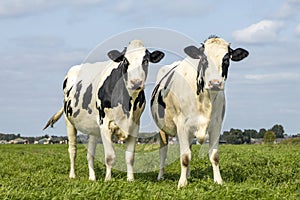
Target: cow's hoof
<point x="130" y="179"/>
<point x="107" y="178"/>
<point x="159" y="178"/>
<point x="182" y="183"/>
<point x="72" y="176"/>
<point x="160" y="175"/>
<point x="220" y="182"/>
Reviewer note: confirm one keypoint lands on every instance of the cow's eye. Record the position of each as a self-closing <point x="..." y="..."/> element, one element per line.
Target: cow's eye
<point x="145" y="62"/>
<point x="125" y="65"/>
<point x="125" y="62"/>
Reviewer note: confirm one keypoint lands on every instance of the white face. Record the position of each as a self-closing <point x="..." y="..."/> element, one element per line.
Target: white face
<point x="216" y="51"/>
<point x="135" y="67"/>
<point x="134" y="62"/>
<point x="214" y="58"/>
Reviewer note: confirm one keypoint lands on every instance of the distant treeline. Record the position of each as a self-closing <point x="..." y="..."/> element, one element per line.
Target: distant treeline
<point x="237" y="136"/>
<point x="233" y="136"/>
<point x="9" y="137"/>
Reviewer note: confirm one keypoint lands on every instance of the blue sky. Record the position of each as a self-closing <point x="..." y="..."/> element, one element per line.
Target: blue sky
<point x="40" y="40"/>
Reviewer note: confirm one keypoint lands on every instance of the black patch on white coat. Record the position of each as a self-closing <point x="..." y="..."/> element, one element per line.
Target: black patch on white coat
<point x="160" y="100"/>
<point x="77" y="93"/>
<point x="225" y="65"/>
<point x="202" y="66"/>
<point x="161" y="105"/>
<point x="124" y="65"/>
<point x="87" y="98"/>
<point x="154" y="94"/>
<point x="68" y="92"/>
<point x="153" y="57"/>
<point x="159" y="83"/>
<point x="169" y="80"/>
<point x="234" y="55"/>
<point x="198" y="53"/>
<point x="76" y="113"/>
<point x="139" y="101"/>
<point x="114" y="92"/>
<point x="145" y="62"/>
<point x="67" y="108"/>
<point x="65" y="83"/>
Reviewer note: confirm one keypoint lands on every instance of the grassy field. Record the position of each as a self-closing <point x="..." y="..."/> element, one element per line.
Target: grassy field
<point x="249" y="172"/>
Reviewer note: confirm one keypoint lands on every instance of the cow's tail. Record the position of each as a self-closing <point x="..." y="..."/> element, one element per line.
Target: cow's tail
<point x="54" y="118"/>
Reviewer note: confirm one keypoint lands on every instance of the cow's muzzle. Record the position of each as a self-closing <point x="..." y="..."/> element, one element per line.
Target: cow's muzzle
<point x="215" y="85"/>
<point x="137" y="84"/>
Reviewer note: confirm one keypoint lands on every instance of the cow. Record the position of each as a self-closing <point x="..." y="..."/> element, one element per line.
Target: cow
<point x="105" y="99"/>
<point x="189" y="101"/>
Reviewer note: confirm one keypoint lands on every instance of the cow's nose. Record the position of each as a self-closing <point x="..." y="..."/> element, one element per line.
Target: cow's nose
<point x="215" y="84"/>
<point x="136" y="84"/>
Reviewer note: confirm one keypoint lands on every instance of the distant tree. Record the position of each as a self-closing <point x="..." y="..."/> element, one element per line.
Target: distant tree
<point x="278" y="130"/>
<point x="269" y="137"/>
<point x="234" y="136"/>
<point x="248" y="134"/>
<point x="8" y="136"/>
<point x="224" y="136"/>
<point x="261" y="133"/>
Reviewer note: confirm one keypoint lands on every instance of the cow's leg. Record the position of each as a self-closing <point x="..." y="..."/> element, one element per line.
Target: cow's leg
<point x="108" y="149"/>
<point x="214" y="134"/>
<point x="91" y="156"/>
<point x="163" y="150"/>
<point x="214" y="153"/>
<point x="129" y="156"/>
<point x="72" y="137"/>
<point x="188" y="171"/>
<point x="185" y="156"/>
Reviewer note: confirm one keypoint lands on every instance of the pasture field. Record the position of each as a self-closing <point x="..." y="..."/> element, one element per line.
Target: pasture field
<point x="249" y="172"/>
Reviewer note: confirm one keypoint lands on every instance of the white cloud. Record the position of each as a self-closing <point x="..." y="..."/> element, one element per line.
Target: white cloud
<point x="267" y="30"/>
<point x="273" y="77"/>
<point x="288" y="9"/>
<point x="262" y="32"/>
<point x="9" y="8"/>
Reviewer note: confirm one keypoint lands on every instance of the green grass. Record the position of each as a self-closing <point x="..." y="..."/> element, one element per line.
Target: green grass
<point x="249" y="172"/>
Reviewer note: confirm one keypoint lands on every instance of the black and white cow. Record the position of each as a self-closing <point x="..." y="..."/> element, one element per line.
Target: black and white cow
<point x="107" y="98"/>
<point x="189" y="101"/>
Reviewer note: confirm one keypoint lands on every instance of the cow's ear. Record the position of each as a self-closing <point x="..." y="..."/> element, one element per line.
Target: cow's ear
<point x="193" y="52"/>
<point x="156" y="56"/>
<point x="239" y="54"/>
<point x="116" y="55"/>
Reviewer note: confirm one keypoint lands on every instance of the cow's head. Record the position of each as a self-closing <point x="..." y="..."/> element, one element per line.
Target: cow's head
<point x="134" y="61"/>
<point x="215" y="55"/>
